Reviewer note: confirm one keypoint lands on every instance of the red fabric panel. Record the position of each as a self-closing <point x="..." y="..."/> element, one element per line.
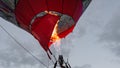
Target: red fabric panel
<point x="55" y="5"/>
<point x="44" y="28"/>
<point x="69" y="7"/>
<point x="38" y="5"/>
<point x="24" y="13"/>
<point x="21" y="21"/>
<point x="78" y="11"/>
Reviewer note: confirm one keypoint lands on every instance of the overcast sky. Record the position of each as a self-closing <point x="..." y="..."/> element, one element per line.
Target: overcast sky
<point x="94" y="43"/>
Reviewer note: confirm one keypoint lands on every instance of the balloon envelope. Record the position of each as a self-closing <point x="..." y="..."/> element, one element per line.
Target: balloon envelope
<point x="39" y="17"/>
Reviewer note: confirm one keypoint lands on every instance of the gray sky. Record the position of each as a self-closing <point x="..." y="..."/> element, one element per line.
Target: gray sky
<point x="94" y="42"/>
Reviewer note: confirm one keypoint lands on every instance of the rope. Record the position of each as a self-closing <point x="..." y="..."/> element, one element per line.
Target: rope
<point x="23" y="47"/>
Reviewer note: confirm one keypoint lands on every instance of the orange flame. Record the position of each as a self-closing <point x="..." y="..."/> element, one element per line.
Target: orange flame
<point x="55" y="36"/>
<point x="56" y="39"/>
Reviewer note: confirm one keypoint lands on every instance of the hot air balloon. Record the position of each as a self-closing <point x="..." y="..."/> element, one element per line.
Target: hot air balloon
<point x="47" y="20"/>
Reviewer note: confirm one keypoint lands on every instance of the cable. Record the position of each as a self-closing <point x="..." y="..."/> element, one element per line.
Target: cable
<point x="52" y="55"/>
<point x="23" y="47"/>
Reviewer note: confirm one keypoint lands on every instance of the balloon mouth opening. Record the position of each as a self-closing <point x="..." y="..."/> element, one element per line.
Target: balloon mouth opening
<point x="62" y="25"/>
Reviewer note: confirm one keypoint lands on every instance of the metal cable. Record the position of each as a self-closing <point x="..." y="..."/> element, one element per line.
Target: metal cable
<point x="23" y="47"/>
